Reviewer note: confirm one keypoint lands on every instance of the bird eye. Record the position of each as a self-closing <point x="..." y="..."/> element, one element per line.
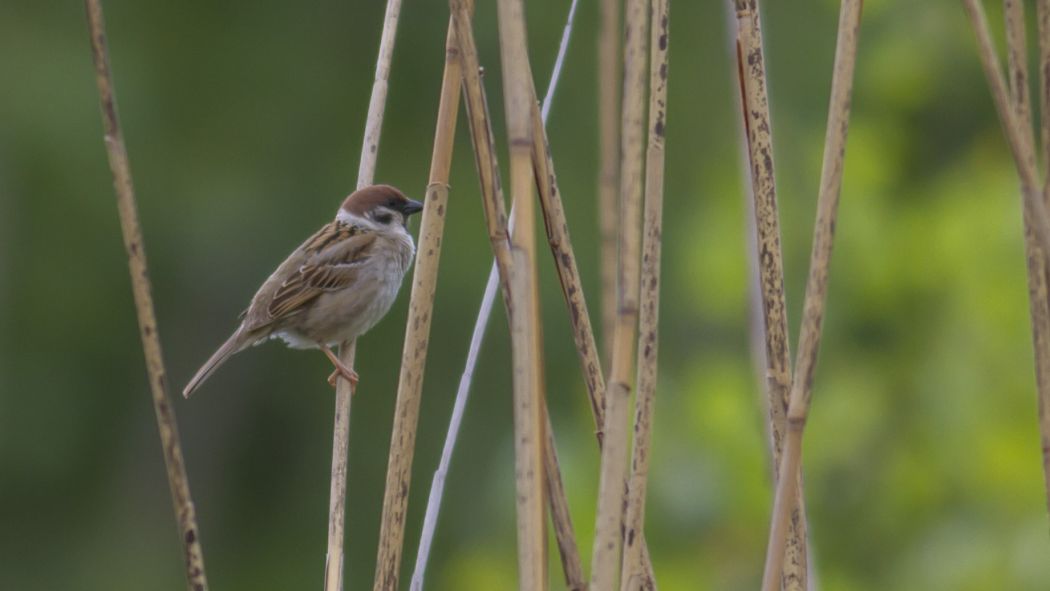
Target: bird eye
<point x="384" y="218"/>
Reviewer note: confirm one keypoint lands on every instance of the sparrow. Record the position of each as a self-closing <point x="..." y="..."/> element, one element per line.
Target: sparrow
<point x="333" y="288"/>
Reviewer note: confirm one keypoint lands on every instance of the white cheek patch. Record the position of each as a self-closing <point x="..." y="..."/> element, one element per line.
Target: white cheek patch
<point x="354" y="219"/>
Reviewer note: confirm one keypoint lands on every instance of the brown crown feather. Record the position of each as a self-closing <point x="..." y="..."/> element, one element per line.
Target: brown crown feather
<point x="364" y="200"/>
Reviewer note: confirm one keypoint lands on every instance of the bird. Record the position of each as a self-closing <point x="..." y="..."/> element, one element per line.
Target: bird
<point x="334" y="287"/>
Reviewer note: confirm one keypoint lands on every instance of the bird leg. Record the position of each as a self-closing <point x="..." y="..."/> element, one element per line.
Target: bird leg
<point x="341" y="370"/>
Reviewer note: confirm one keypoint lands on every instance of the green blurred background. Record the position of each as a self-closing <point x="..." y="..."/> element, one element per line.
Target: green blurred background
<point x="244" y="123"/>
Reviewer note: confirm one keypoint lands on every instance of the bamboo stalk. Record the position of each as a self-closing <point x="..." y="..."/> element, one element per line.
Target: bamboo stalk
<point x="1041" y="325"/>
<point x="633" y="575"/>
<point x="333" y="567"/>
<point x="167" y="426"/>
<point x="608" y="176"/>
<point x="492" y="198"/>
<point x="437" y="193"/>
<point x="344" y="390"/>
<point x="1043" y="28"/>
<point x="527" y="349"/>
<point x="1035" y="256"/>
<point x="611" y="491"/>
<point x="417" y="328"/>
<point x="778" y="357"/>
<point x="816" y="287"/>
<point x="557" y="229"/>
<point x="561" y="520"/>
<point x="1019" y="139"/>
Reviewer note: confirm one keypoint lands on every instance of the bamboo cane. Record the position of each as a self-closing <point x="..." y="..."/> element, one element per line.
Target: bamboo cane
<point x="787" y="489"/>
<point x="608" y="534"/>
<point x="167" y="426"/>
<point x="634" y="575"/>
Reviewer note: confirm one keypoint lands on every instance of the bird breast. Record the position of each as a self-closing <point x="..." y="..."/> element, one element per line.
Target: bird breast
<point x="348" y="313"/>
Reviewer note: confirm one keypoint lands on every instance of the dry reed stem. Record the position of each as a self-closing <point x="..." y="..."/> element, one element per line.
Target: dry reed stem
<point x="633" y="575"/>
<point x="778" y="361"/>
<point x="816" y="286"/>
<point x="333" y="567"/>
<point x="496" y="221"/>
<point x="608" y="175"/>
<point x="431" y="229"/>
<point x="417" y="326"/>
<point x="344" y="390"/>
<point x="1042" y="348"/>
<point x="608" y="533"/>
<point x="1018" y="138"/>
<point x="116" y="151"/>
<point x="556" y="227"/>
<point x="560" y="517"/>
<point x="557" y="231"/>
<point x="483" y="141"/>
<point x="529" y="424"/>
<point x="1043" y="28"/>
<point x="1035" y="256"/>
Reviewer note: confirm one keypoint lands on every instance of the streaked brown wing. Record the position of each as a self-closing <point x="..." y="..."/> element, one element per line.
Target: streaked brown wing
<point x="339" y="251"/>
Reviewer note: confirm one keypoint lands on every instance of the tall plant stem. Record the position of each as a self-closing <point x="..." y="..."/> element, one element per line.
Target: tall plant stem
<point x="633" y="575"/>
<point x="529" y="424"/>
<point x="185" y="514"/>
<point x="1018" y="137"/>
<point x="1035" y="256"/>
<point x="755" y="105"/>
<point x="344" y="390"/>
<point x="510" y="262"/>
<point x="1042" y="348"/>
<point x="605" y="563"/>
<point x="816" y="287"/>
<point x="417" y="331"/>
<point x="608" y="175"/>
<point x="560" y="517"/>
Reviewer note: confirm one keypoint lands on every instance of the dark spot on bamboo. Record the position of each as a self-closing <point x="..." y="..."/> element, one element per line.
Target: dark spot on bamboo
<point x="191" y="536"/>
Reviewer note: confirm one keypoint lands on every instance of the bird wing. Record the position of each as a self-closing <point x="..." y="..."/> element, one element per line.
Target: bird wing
<point x="332" y="260"/>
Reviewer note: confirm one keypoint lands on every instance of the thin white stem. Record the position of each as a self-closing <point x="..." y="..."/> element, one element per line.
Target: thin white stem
<point x="437" y="486"/>
<point x="558" y="62"/>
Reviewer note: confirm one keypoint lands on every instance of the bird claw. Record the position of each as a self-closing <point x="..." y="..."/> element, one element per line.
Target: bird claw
<point x="341" y="370"/>
<point x="349" y="374"/>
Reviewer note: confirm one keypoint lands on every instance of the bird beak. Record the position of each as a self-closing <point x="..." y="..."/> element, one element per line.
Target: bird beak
<point x="412" y="206"/>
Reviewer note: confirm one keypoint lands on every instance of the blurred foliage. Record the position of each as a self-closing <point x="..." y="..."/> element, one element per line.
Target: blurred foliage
<point x="243" y="121"/>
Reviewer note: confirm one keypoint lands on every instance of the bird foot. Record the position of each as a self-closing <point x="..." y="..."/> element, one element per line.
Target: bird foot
<point x="341" y="371"/>
<point x="351" y="377"/>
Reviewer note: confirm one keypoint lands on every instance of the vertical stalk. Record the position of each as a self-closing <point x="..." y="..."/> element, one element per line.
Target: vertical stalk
<point x="529" y="426"/>
<point x="778" y="361"/>
<point x="417" y="327"/>
<point x="167" y="426"/>
<point x="787" y="492"/>
<point x="1042" y="341"/>
<point x="344" y="390"/>
<point x="1017" y="52"/>
<point x="608" y="176"/>
<point x="633" y="575"/>
<point x="430" y="232"/>
<point x="333" y="566"/>
<point x="611" y="491"/>
<point x="1018" y="138"/>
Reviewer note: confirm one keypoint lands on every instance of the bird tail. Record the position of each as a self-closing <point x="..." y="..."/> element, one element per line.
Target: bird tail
<point x="237" y="342"/>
